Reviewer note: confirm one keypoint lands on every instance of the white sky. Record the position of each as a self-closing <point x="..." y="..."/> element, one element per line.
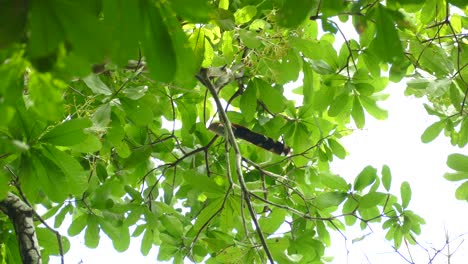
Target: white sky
<point x="396" y="142"/>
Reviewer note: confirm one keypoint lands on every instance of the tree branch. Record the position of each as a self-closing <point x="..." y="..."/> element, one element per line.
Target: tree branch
<point x="238" y="164"/>
<point x="21" y="216"/>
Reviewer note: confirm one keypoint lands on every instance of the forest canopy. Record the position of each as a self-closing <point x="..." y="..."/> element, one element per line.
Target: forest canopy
<point x="172" y="121"/>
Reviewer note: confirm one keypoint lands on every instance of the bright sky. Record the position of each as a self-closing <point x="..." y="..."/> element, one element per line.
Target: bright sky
<point x="396" y="142"/>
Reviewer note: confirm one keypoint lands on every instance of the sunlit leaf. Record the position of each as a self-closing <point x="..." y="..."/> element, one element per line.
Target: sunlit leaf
<point x="386" y="177"/>
<point x="458" y="162"/>
<point x="405" y="192"/>
<point x="245" y="14"/>
<point x="365" y="178"/>
<point x="329" y="199"/>
<point x="432" y="131"/>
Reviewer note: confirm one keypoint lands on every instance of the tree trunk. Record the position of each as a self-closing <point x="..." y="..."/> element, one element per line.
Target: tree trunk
<point x="21" y="215"/>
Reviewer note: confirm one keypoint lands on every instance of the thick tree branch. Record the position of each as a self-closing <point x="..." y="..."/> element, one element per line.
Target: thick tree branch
<point x="21" y="215"/>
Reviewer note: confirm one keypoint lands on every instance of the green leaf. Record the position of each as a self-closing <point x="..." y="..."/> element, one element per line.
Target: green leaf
<point x="329" y="199"/>
<point x="119" y="234"/>
<point x="48" y="240"/>
<point x="310" y="85"/>
<point x="207" y="213"/>
<point x="365" y="178"/>
<point x="456" y="176"/>
<point x="245" y="14"/>
<point x="226" y="45"/>
<point x="357" y="113"/>
<point x="61" y="215"/>
<point x="250" y="39"/>
<point x="371" y="199"/>
<point x="67" y="133"/>
<point x="340" y="105"/>
<point x="386" y="44"/>
<point x="46" y="95"/>
<point x="273" y="221"/>
<point x="102" y="116"/>
<point x="272" y="97"/>
<point x="463" y="134"/>
<point x="386" y="177"/>
<point x="203" y="184"/>
<point x="294" y="12"/>
<point x="337" y="149"/>
<point x="195" y="10"/>
<point x="96" y="85"/>
<point x="173" y="226"/>
<point x="462" y="191"/>
<point x="405" y="192"/>
<point x="46" y="32"/>
<point x="458" y="162"/>
<point x="372" y="108"/>
<point x="76" y="176"/>
<point x="197" y="43"/>
<point x="185" y="57"/>
<point x="248" y="102"/>
<point x="333" y="181"/>
<point x="92" y="232"/>
<point x="4" y="184"/>
<point x="124" y="23"/>
<point x="81" y="24"/>
<point x="147" y="242"/>
<point x="48" y="177"/>
<point x="78" y="224"/>
<point x="158" y="45"/>
<point x="432" y="131"/>
<point x="90" y="144"/>
<point x="138" y="112"/>
<point x="321" y="67"/>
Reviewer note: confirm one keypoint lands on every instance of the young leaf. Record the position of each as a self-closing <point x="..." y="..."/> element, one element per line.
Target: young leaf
<point x="405" y="192"/>
<point x="245" y="14"/>
<point x="432" y="131"/>
<point x="386" y="177"/>
<point x="147" y="242"/>
<point x="337" y="149"/>
<point x="365" y="178"/>
<point x="373" y="109"/>
<point x="358" y="113"/>
<point x="462" y="191"/>
<point x="458" y="162"/>
<point x="456" y="176"/>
